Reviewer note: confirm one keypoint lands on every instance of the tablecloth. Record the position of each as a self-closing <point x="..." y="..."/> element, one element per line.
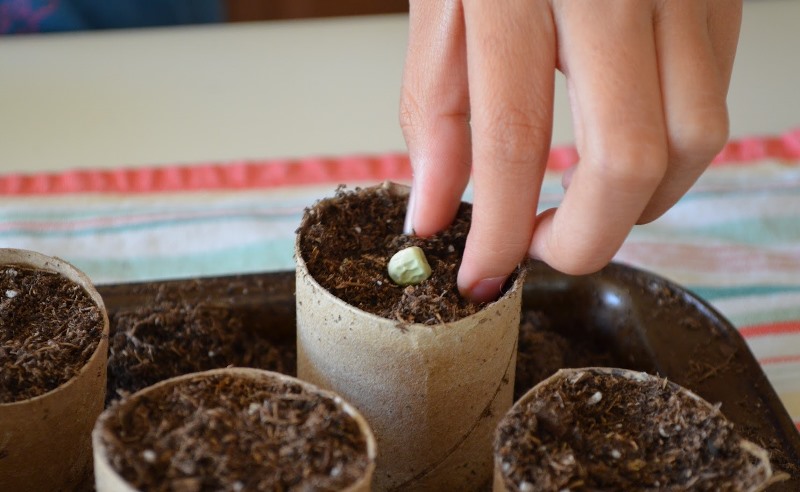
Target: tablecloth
<point x="734" y="239"/>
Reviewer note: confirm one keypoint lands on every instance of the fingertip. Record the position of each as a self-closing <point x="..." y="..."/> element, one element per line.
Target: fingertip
<point x="568" y="260"/>
<point x="498" y="241"/>
<point x="484" y="290"/>
<point x="481" y="277"/>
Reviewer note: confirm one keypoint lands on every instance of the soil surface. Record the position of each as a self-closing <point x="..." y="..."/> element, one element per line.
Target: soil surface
<point x="175" y="336"/>
<point x="49" y="329"/>
<point x="347" y="242"/>
<point x="224" y="433"/>
<point x="606" y="433"/>
<point x="543" y="350"/>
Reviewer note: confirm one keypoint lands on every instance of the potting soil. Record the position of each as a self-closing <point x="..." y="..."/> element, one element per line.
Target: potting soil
<point x="604" y="433"/>
<point x="49" y="329"/>
<point x="225" y="433"/>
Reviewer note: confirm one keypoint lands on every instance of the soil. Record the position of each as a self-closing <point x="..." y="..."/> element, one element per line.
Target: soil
<point x="49" y="329"/>
<point x="347" y="242"/>
<point x="225" y="433"/>
<point x="604" y="433"/>
<point x="543" y="350"/>
<point x="175" y="336"/>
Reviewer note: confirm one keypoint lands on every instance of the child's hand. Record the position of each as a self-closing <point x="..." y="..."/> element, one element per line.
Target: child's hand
<point x="647" y="81"/>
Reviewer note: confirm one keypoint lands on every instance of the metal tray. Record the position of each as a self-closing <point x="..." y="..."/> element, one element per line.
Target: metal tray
<point x="646" y="322"/>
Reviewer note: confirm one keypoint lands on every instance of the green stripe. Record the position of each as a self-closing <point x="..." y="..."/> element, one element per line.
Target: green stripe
<point x="738" y="186"/>
<point x="155" y="224"/>
<point x="256" y="257"/>
<point x="755" y="231"/>
<point x="752" y="232"/>
<point x="771" y="315"/>
<point x="716" y="293"/>
<point x="95" y="213"/>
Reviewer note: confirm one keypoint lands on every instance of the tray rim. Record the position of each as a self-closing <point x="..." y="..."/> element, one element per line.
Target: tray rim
<point x="787" y="435"/>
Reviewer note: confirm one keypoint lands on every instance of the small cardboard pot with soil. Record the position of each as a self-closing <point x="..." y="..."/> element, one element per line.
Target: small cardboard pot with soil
<point x="232" y="429"/>
<point x="431" y="372"/>
<point x="615" y="429"/>
<point x="53" y="352"/>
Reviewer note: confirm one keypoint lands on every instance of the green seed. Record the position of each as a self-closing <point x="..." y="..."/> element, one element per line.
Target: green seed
<point x="409" y="266"/>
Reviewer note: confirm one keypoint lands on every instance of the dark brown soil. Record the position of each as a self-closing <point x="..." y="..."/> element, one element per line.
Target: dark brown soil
<point x="543" y="350"/>
<point x="49" y="329"/>
<point x="606" y="433"/>
<point x="347" y="241"/>
<point x="224" y="433"/>
<point x="174" y="337"/>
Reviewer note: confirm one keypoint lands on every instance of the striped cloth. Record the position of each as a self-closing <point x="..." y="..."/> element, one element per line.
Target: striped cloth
<point x="734" y="238"/>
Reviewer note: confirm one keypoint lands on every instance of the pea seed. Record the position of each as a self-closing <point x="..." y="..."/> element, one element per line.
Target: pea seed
<point x="409" y="266"/>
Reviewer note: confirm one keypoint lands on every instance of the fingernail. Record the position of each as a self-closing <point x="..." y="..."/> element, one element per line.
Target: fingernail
<point x="487" y="289"/>
<point x="408" y="225"/>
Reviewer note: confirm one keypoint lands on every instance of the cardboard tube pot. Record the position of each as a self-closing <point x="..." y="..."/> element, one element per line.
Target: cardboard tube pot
<point x="433" y="394"/>
<point x="615" y="429"/>
<point x="45" y="441"/>
<point x="229" y="385"/>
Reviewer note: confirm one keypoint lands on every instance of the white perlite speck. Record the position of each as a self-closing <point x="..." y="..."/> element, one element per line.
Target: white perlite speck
<point x="11" y="293"/>
<point x="409" y="266"/>
<point x="595" y="398"/>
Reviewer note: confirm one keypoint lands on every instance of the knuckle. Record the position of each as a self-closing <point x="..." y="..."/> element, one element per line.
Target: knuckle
<point x="514" y="137"/>
<point x="700" y="136"/>
<point x="633" y="165"/>
<point x="409" y="113"/>
<point x="421" y="110"/>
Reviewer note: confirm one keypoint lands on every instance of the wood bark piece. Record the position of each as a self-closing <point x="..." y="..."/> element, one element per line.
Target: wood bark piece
<point x="45" y="441"/>
<point x="107" y="438"/>
<point x="617" y="429"/>
<point x="433" y="394"/>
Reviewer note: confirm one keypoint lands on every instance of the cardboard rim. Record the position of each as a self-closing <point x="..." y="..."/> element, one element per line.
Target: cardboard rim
<point x="398" y="190"/>
<point x="754" y="450"/>
<point x="115" y="482"/>
<point x="40" y="261"/>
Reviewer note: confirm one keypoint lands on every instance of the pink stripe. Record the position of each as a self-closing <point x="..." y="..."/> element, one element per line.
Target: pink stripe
<point x="237" y="175"/>
<point x="786" y="147"/>
<point x="779" y="328"/>
<point x="249" y="175"/>
<point x="779" y="359"/>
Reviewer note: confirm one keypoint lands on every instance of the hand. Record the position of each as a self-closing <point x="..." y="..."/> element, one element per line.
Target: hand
<point x="647" y="81"/>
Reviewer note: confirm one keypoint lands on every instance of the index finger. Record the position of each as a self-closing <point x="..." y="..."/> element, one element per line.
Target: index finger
<point x="511" y="70"/>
